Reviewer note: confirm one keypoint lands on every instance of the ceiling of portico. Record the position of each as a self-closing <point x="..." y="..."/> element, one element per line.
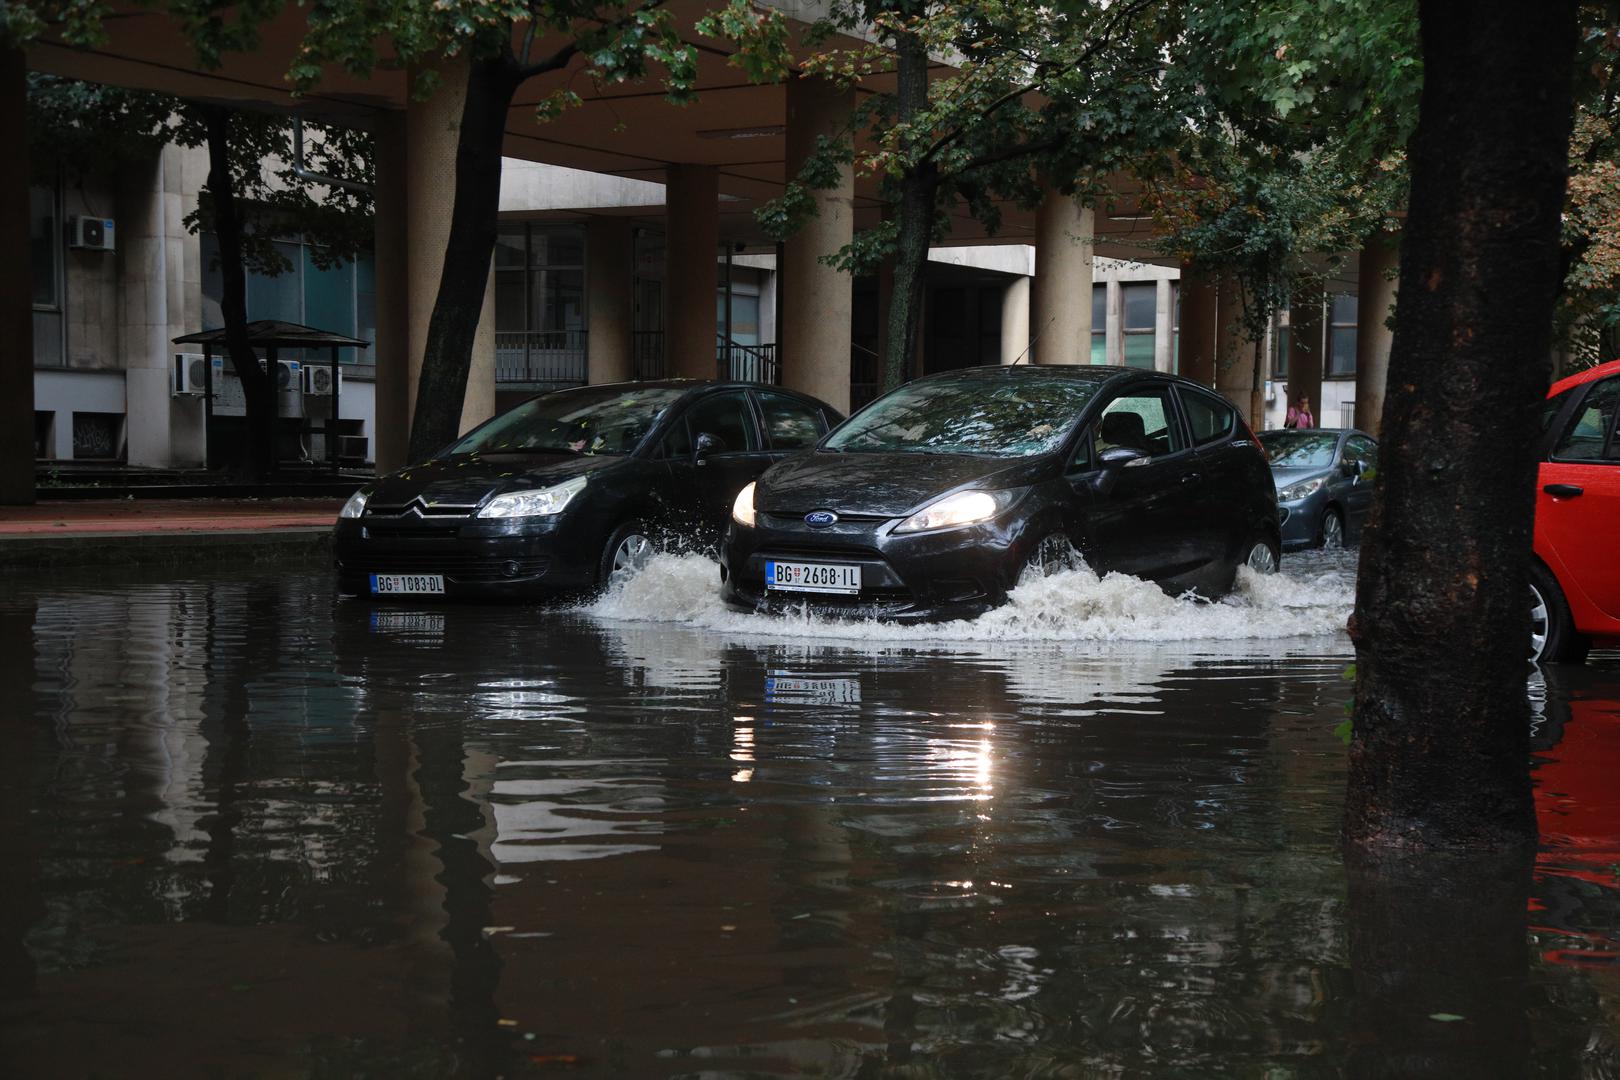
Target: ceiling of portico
<point x="625" y="130"/>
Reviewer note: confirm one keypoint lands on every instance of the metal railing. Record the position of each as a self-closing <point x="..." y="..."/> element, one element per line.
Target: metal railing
<point x="540" y="357"/>
<point x="747" y="363"/>
<point x="647" y="354"/>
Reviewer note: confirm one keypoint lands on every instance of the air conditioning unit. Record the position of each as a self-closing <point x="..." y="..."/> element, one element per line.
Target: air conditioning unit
<point x="190" y="377"/>
<point x="320" y="380"/>
<point x="289" y="388"/>
<point x="1271" y="390"/>
<point x="93" y="233"/>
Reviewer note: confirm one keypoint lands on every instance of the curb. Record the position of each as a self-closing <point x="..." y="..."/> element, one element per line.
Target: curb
<point x="312" y="544"/>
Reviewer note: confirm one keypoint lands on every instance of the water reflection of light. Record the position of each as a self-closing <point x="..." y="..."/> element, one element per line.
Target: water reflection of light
<point x="742" y="748"/>
<point x="971" y="763"/>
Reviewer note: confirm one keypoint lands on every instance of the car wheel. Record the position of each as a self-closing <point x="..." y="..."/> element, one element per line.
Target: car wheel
<point x="1553" y="638"/>
<point x="1263" y="556"/>
<point x="626" y="551"/>
<point x="1051" y="554"/>
<point x="1332" y="530"/>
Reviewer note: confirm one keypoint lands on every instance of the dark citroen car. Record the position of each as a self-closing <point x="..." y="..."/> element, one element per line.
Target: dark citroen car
<point x="932" y="501"/>
<point x="558" y="493"/>
<point x="1324" y="484"/>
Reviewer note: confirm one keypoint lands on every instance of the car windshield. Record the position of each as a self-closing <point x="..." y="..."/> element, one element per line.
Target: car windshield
<point x="589" y="420"/>
<point x="1300" y="449"/>
<point x="1003" y="418"/>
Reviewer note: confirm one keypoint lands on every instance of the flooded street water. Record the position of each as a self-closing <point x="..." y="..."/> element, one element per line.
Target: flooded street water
<point x="252" y="829"/>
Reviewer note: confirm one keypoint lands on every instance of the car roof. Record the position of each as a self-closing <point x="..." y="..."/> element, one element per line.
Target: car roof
<point x="1090" y="373"/>
<point x="1591" y="374"/>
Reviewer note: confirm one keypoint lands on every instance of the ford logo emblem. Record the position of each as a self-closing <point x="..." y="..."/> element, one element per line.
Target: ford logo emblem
<point x="820" y="518"/>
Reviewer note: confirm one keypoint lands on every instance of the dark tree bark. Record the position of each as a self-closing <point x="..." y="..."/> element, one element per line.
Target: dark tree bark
<point x="1440" y="754"/>
<point x="258" y="384"/>
<point x="915" y="220"/>
<point x="447" y="357"/>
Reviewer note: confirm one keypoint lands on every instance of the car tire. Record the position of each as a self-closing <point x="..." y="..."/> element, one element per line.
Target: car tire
<point x="1262" y="554"/>
<point x="1330" y="532"/>
<point x="627" y="549"/>
<point x="1553" y="637"/>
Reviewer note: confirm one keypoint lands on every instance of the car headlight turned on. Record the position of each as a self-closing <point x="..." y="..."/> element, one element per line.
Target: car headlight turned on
<point x="742" y="510"/>
<point x="356" y="505"/>
<point x="539" y="502"/>
<point x="963" y="508"/>
<point x="1301" y="489"/>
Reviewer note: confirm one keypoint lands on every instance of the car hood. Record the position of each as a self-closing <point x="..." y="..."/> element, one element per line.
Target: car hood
<point x="886" y="485"/>
<point x="468" y="479"/>
<point x="1284" y="477"/>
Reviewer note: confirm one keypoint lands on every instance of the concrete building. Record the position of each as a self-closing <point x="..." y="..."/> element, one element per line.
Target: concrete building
<point x="644" y="259"/>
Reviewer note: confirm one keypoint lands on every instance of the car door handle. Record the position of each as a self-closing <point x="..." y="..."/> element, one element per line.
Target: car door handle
<point x="1563" y="491"/>
<point x="1192" y="478"/>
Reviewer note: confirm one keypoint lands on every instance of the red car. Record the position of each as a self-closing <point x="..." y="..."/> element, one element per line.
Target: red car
<point x="1575" y="577"/>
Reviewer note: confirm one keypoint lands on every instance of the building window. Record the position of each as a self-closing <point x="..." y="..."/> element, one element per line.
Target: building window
<point x="1139" y="301"/>
<point x="341" y="298"/>
<point x="540" y="278"/>
<point x="45" y="267"/>
<point x="1342" y="338"/>
<point x="1099" y="324"/>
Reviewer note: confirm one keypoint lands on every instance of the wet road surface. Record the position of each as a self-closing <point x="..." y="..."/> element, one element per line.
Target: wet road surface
<point x="251" y="829"/>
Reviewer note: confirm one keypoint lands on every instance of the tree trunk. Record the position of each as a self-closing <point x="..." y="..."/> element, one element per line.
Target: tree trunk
<point x="1440" y="754"/>
<point x="915" y="220"/>
<point x="258" y="384"/>
<point x="447" y="358"/>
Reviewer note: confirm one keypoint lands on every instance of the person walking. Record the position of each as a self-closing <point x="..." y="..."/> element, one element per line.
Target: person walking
<point x="1299" y="414"/>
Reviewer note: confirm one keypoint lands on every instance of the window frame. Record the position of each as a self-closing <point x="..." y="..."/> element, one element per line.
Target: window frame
<point x="751" y="414"/>
<point x="1572" y="415"/>
<point x="1150" y="331"/>
<point x="1328" y="373"/>
<point x="1174" y="418"/>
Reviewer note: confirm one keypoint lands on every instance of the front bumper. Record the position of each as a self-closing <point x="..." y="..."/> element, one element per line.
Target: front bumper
<point x="1298" y="522"/>
<point x="515" y="560"/>
<point x="912" y="577"/>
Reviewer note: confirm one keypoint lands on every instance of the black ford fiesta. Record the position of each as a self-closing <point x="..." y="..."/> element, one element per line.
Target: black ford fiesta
<point x="556" y="494"/>
<point x="930" y="502"/>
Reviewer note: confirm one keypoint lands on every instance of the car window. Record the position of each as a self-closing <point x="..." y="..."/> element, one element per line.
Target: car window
<point x="1588" y="433"/>
<point x="1362" y="449"/>
<point x="1210" y="420"/>
<point x="587" y="420"/>
<point x="790" y="424"/>
<point x="726" y="417"/>
<point x="1142" y="421"/>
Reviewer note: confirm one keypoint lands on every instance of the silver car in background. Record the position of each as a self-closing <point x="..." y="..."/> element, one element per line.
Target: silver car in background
<point x="1324" y="483"/>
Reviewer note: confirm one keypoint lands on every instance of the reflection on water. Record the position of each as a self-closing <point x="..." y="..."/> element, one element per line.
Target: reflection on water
<point x="250" y="829"/>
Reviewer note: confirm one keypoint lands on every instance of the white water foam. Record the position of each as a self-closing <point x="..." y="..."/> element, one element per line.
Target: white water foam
<point x="1311" y="597"/>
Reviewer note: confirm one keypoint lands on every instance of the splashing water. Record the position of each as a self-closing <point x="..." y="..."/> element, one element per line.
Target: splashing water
<point x="1312" y="596"/>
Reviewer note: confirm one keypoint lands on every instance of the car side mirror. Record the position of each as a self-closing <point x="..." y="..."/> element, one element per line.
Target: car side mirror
<point x="708" y="444"/>
<point x="1111" y="462"/>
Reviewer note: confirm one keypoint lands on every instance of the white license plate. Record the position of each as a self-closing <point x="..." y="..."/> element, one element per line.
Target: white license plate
<point x="813" y="577"/>
<point x="402" y="584"/>
<point x="781" y="686"/>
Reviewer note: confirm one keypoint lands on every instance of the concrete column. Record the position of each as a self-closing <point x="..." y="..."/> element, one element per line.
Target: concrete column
<point x="691" y="246"/>
<point x="1306" y="347"/>
<point x="431" y="130"/>
<point x="1199" y="318"/>
<point x="1164" y="327"/>
<point x="16" y="289"/>
<point x="1060" y="298"/>
<point x="396" y="375"/>
<point x="1114" y="323"/>
<point x="1237" y="365"/>
<point x="1375" y="302"/>
<point x="609" y="267"/>
<point x="143" y="314"/>
<point x="1015" y="322"/>
<point x="817" y="300"/>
